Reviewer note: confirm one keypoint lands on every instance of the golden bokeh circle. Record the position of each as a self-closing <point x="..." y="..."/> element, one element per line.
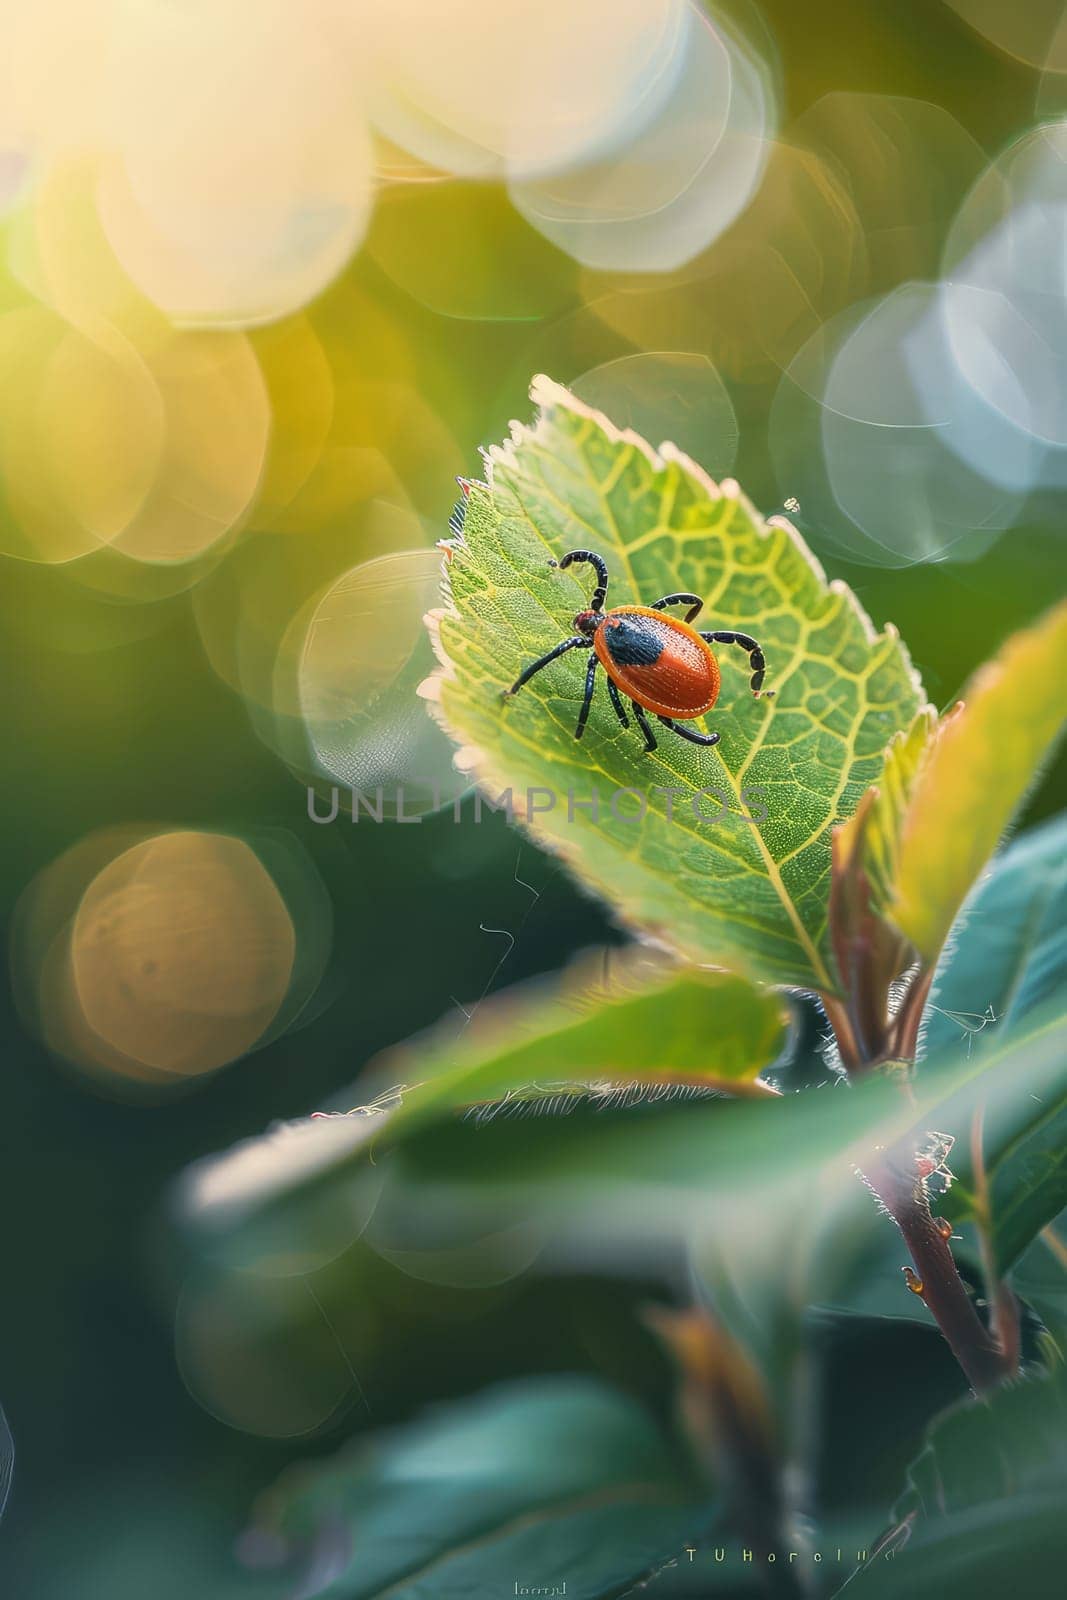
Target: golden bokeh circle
<point x="182" y="950"/>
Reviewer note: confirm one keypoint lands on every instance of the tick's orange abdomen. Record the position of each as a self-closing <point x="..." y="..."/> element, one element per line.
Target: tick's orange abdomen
<point x="658" y="661"/>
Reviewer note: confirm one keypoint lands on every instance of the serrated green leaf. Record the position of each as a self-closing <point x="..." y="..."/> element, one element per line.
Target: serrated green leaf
<point x="973" y="777"/>
<point x="1010" y="953"/>
<point x="731" y="892"/>
<point x="983" y="1512"/>
<point x="553" y="1482"/>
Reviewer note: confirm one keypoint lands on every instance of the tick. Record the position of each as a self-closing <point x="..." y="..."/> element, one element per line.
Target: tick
<point x="659" y="663"/>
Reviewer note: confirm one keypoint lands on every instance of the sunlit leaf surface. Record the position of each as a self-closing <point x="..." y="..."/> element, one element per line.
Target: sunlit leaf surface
<point x="726" y="888"/>
<point x="976" y="773"/>
<point x="638" y="1021"/>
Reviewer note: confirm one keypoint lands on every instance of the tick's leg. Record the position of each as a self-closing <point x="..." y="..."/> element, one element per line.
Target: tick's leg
<point x="755" y="656"/>
<point x="590" y="558"/>
<point x="527" y="673"/>
<point x="693" y="601"/>
<point x="617" y="703"/>
<point x="690" y="733"/>
<point x="587" y="698"/>
<point x="642" y="723"/>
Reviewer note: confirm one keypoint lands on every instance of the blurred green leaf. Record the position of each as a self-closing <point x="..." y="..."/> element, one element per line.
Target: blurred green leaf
<point x="1019" y="1113"/>
<point x="1010" y="952"/>
<point x="983" y="1511"/>
<point x="553" y="1482"/>
<point x="730" y="891"/>
<point x="1040" y="1278"/>
<point x="629" y="1168"/>
<point x="1004" y="970"/>
<point x="976" y="771"/>
<point x="638" y="1021"/>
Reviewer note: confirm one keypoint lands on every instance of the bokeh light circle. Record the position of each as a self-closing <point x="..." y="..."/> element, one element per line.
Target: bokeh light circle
<point x="150" y="959"/>
<point x="258" y="1353"/>
<point x="1033" y="33"/>
<point x="796" y="255"/>
<point x="240" y="179"/>
<point x="680" y="178"/>
<point x="82" y="435"/>
<point x="182" y="950"/>
<point x="863" y="434"/>
<point x="122" y="438"/>
<point x="217" y="424"/>
<point x="484" y="87"/>
<point x="364" y="652"/>
<point x="906" y="164"/>
<point x="1004" y="304"/>
<point x="668" y="395"/>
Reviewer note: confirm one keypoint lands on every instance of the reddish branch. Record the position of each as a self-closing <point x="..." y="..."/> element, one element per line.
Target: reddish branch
<point x="871" y="956"/>
<point x="903" y="1194"/>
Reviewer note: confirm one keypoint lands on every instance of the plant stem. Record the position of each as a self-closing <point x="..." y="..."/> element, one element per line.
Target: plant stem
<point x="902" y="1193"/>
<point x="837" y="1017"/>
<point x="898" y="1183"/>
<point x="904" y="1030"/>
<point x="1003" y="1306"/>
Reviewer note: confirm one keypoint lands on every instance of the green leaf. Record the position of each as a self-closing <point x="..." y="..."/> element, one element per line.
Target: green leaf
<point x="1040" y="1278"/>
<point x="556" y="1481"/>
<point x="635" y="1169"/>
<point x="639" y="1166"/>
<point x="881" y="831"/>
<point x="983" y="1512"/>
<point x="638" y="1021"/>
<point x="1005" y="970"/>
<point x="973" y="777"/>
<point x="1010" y="953"/>
<point x="733" y="891"/>
<point x="1018" y="1112"/>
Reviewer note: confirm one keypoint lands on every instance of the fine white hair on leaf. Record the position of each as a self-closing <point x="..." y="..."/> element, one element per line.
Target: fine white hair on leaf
<point x="552" y="1100"/>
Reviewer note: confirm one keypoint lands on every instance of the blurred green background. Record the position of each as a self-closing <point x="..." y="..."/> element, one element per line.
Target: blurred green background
<point x="151" y="688"/>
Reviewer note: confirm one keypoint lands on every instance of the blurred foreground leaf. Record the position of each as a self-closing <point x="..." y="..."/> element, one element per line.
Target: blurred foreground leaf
<point x="983" y="1512"/>
<point x="730" y="891"/>
<point x="559" y="1481"/>
<point x="976" y="771"/>
<point x="640" y="1023"/>
<point x="632" y="1169"/>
